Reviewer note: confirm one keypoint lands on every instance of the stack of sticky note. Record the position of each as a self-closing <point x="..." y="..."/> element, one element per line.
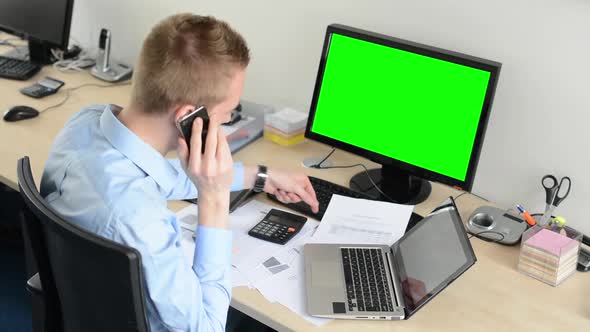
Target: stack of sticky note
<point x="549" y="256"/>
<point x="285" y="127"/>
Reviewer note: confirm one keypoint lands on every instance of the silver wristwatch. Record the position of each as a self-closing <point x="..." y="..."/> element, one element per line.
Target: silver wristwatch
<point x="261" y="177"/>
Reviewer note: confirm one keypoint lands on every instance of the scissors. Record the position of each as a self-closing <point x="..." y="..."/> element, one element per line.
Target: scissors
<point x="553" y="189"/>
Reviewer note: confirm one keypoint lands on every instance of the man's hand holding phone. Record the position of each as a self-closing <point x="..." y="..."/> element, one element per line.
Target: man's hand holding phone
<point x="185" y="125"/>
<point x="211" y="171"/>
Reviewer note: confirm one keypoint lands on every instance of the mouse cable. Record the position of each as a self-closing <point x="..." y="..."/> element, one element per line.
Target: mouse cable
<point x="483" y="232"/>
<point x="464" y="192"/>
<point x="319" y="166"/>
<point x="485" y="239"/>
<point x="368" y="175"/>
<point x="461" y="194"/>
<point x="79" y="63"/>
<point x="67" y="91"/>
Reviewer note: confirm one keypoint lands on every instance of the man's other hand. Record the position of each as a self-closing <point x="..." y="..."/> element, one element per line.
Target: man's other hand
<point x="291" y="187"/>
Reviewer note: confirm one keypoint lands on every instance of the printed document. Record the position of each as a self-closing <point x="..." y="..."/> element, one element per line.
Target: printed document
<point x="362" y="221"/>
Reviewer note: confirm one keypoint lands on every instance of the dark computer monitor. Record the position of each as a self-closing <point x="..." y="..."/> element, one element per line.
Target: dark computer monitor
<point x="44" y="23"/>
<point x="419" y="111"/>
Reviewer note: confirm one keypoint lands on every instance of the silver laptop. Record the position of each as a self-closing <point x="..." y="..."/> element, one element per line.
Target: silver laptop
<point x="388" y="283"/>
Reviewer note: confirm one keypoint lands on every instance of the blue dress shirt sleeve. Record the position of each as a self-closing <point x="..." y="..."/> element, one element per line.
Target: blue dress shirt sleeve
<point x="185" y="189"/>
<point x="185" y="298"/>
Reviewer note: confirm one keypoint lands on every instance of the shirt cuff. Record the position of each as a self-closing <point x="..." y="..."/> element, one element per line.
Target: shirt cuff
<point x="212" y="246"/>
<point x="238" y="183"/>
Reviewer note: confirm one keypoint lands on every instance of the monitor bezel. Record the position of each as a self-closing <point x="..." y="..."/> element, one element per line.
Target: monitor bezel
<point x="426" y="50"/>
<point x="63" y="44"/>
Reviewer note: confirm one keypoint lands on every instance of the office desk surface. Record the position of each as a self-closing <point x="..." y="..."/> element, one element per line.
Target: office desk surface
<point x="492" y="295"/>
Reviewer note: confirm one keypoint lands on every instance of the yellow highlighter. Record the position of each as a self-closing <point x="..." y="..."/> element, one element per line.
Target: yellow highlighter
<point x="557" y="225"/>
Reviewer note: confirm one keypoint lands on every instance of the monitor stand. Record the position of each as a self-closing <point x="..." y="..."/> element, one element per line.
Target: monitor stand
<point x="40" y="52"/>
<point x="395" y="183"/>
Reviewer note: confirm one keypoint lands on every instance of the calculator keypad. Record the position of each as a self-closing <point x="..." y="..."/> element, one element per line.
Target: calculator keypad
<point x="274" y="229"/>
<point x="37" y="91"/>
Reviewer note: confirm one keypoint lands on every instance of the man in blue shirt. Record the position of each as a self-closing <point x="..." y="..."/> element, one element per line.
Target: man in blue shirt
<point x="107" y="170"/>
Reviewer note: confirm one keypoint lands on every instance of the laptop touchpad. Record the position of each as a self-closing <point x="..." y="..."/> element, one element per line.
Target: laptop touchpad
<point x="323" y="273"/>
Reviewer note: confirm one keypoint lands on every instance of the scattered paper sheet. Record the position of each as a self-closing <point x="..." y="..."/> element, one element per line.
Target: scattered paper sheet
<point x="188" y="217"/>
<point x="359" y="221"/>
<point x="188" y="247"/>
<point x="288" y="289"/>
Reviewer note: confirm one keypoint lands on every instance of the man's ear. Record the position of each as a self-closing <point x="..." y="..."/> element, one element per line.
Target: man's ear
<point x="182" y="110"/>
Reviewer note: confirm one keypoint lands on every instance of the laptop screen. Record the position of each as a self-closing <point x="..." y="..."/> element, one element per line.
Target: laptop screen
<point x="431" y="255"/>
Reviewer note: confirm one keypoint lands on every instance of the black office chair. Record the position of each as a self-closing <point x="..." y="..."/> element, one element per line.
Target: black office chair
<point x="88" y="283"/>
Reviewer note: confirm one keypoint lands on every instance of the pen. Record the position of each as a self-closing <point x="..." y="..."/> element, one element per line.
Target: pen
<point x="529" y="219"/>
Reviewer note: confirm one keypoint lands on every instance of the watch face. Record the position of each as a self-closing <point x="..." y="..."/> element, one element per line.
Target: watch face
<point x="261" y="177"/>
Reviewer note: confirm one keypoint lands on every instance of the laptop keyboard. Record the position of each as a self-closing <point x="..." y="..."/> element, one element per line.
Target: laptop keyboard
<point x="366" y="280"/>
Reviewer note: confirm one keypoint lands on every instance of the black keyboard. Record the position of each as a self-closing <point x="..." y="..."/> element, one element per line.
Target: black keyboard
<point x="324" y="191"/>
<point x="17" y="69"/>
<point x="365" y="276"/>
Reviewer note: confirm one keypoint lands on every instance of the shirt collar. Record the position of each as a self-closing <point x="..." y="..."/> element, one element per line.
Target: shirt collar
<point x="136" y="150"/>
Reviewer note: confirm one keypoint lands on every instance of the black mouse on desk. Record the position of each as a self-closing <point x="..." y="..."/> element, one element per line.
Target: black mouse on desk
<point x="20" y="112"/>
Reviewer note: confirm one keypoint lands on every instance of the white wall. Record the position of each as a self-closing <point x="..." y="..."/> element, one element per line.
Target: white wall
<point x="538" y="123"/>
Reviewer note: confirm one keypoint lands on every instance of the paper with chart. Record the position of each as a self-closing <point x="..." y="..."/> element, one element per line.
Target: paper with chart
<point x="361" y="221"/>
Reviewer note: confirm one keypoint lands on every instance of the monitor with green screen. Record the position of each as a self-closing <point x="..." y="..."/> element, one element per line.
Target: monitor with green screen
<point x="419" y="111"/>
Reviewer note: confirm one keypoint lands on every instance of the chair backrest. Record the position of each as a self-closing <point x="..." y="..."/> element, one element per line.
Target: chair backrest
<point x="99" y="283"/>
<point x="33" y="237"/>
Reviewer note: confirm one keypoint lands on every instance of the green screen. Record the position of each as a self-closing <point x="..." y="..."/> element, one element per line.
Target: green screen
<point x="406" y="106"/>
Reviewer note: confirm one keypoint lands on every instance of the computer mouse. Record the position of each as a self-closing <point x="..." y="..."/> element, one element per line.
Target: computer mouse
<point x="20" y="112"/>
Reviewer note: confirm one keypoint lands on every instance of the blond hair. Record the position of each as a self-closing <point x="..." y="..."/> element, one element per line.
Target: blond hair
<point x="187" y="59"/>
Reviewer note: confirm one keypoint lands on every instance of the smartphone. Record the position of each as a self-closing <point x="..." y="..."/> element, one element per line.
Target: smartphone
<point x="185" y="125"/>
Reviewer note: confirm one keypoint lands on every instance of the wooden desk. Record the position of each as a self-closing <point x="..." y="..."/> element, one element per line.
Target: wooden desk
<point x="492" y="295"/>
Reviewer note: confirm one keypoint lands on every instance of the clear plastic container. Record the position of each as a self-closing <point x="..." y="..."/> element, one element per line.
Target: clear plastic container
<point x="549" y="254"/>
